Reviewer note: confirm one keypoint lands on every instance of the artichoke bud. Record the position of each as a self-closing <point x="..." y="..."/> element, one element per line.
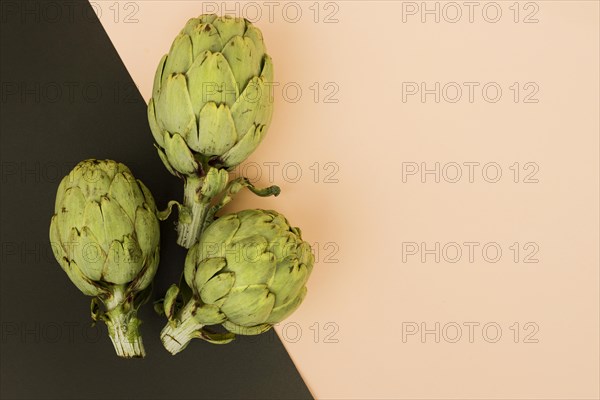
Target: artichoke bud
<point x="248" y="272"/>
<point x="211" y="105"/>
<point x="105" y="236"/>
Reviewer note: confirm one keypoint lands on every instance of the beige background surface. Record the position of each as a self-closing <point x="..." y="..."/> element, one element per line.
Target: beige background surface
<point x="369" y="292"/>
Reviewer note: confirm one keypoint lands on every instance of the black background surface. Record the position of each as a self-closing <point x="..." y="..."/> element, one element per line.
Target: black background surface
<point x="66" y="96"/>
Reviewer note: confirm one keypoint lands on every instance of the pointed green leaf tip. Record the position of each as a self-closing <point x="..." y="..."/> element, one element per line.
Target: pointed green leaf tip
<point x="169" y="302"/>
<point x="211" y="90"/>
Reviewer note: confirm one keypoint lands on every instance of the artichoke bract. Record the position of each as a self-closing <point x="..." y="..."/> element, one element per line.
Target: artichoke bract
<point x="211" y="105"/>
<point x="105" y="235"/>
<point x="248" y="271"/>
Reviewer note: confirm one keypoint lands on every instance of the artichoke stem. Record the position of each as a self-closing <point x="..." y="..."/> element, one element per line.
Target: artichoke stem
<point x="189" y="231"/>
<point x="177" y="334"/>
<point x="123" y="329"/>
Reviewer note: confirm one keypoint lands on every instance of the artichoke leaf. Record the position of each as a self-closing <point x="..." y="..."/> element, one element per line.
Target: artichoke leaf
<point x="144" y="278"/>
<point x="256" y="36"/>
<point x="87" y="253"/>
<point x="210" y="80"/>
<point x="205" y="38"/>
<point x="165" y="160"/>
<point x="146" y="225"/>
<point x="246" y="107"/>
<point x="174" y="109"/>
<point x="180" y="56"/>
<point x="214" y="182"/>
<point x="248" y="305"/>
<point x="209" y="314"/>
<point x="252" y="268"/>
<point x="213" y="337"/>
<point x="179" y="154"/>
<point x="229" y="27"/>
<point x="207" y="18"/>
<point x="289" y="279"/>
<point x="123" y="262"/>
<point x="285" y="310"/>
<point x="126" y="195"/>
<point x="206" y="269"/>
<point x="216" y="130"/>
<point x="116" y="222"/>
<point x="70" y="214"/>
<point x="158" y="78"/>
<point x="217" y="287"/>
<point x="220" y="232"/>
<point x="157" y="132"/>
<point x="246" y="330"/>
<point x="245" y="60"/>
<point x="95" y="311"/>
<point x="242" y="149"/>
<point x="85" y="285"/>
<point x="190" y="25"/>
<point x="185" y="214"/>
<point x="170" y="301"/>
<point x="148" y="198"/>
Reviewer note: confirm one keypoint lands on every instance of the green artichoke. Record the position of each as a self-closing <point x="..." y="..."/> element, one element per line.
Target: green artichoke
<point x="211" y="106"/>
<point x="211" y="103"/>
<point x="105" y="235"/>
<point x="247" y="272"/>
